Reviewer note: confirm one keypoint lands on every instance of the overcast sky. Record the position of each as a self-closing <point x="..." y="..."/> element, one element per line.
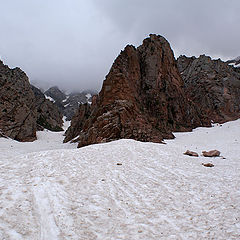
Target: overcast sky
<point x="73" y="43"/>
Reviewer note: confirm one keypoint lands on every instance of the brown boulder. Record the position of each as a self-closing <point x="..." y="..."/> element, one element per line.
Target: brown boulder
<point x="207" y="164"/>
<point x="212" y="153"/>
<point x="191" y="153"/>
<point x="142" y="98"/>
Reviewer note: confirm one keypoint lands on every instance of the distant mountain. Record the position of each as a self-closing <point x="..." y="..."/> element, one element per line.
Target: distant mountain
<point x="234" y="62"/>
<point x="68" y="103"/>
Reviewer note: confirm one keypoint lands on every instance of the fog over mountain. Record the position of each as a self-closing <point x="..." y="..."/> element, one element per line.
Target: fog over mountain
<point x="73" y="43"/>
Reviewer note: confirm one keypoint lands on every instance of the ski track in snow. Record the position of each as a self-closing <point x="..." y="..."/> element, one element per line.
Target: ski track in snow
<point x="86" y="194"/>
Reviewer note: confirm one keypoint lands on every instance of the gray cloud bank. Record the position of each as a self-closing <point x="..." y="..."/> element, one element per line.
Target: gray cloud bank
<point x="73" y="43"/>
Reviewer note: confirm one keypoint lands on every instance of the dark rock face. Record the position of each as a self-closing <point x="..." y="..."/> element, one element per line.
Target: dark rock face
<point x="74" y="100"/>
<point x="55" y="93"/>
<point x="213" y="86"/>
<point x="68" y="104"/>
<point x="23" y="108"/>
<point x="48" y="115"/>
<point x="142" y="98"/>
<point x="57" y="96"/>
<point x="17" y="105"/>
<point x="77" y="121"/>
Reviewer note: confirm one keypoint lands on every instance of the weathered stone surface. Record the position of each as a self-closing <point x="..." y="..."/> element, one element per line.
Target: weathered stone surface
<point x="77" y="121"/>
<point x="48" y="115"/>
<point x="142" y="98"/>
<point x="17" y="105"/>
<point x="23" y="108"/>
<point x="212" y="153"/>
<point x="213" y="86"/>
<point x="191" y="153"/>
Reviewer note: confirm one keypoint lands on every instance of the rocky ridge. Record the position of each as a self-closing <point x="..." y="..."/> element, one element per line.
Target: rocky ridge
<point x="68" y="104"/>
<point x="142" y="98"/>
<point x="213" y="86"/>
<point x="19" y="106"/>
<point x="17" y="109"/>
<point x="48" y="115"/>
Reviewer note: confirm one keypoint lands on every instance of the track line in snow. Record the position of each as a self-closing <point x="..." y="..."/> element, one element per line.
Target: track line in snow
<point x="48" y="227"/>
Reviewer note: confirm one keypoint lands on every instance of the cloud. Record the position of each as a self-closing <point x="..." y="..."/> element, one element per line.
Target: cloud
<point x="72" y="43"/>
<point x="190" y="26"/>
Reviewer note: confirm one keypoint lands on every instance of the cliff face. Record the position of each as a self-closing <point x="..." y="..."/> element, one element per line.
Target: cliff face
<point x="142" y="98"/>
<point x="17" y="105"/>
<point x="77" y="122"/>
<point x="213" y="86"/>
<point x="48" y="115"/>
<point x="23" y="108"/>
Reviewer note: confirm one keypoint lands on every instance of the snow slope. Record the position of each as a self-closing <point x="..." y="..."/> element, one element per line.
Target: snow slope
<point x="121" y="190"/>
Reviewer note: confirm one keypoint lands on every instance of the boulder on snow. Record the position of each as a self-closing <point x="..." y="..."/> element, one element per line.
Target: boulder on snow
<point x="207" y="164"/>
<point x="212" y="153"/>
<point x="191" y="153"/>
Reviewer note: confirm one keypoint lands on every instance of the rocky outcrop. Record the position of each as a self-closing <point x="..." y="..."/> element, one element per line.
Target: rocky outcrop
<point x="213" y="86"/>
<point x="48" y="115"/>
<point x="77" y="121"/>
<point x="23" y="108"/>
<point x="142" y="98"/>
<point x="17" y="105"/>
<point x="68" y="104"/>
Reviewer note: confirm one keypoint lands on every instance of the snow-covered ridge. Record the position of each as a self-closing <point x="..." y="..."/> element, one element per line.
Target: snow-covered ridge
<point x="123" y="189"/>
<point x="68" y="102"/>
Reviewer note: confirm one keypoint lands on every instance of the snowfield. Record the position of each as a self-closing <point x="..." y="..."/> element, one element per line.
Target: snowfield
<point x="121" y="190"/>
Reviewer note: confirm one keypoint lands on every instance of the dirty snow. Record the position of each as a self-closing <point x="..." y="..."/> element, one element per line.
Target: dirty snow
<point x="121" y="190"/>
